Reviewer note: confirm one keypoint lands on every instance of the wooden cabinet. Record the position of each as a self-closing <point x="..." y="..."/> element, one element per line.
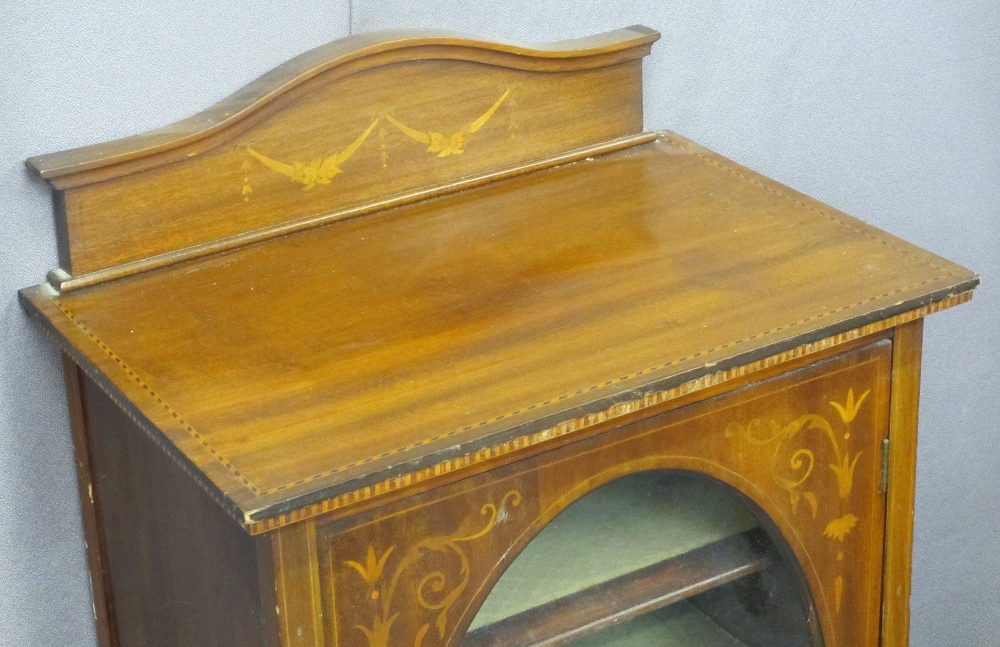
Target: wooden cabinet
<point x="421" y="340"/>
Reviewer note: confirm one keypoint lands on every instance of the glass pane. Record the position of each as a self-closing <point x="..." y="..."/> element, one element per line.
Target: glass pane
<point x="655" y="559"/>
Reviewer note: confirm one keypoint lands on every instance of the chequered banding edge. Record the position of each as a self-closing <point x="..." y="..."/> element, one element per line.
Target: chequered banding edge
<point x="618" y="410"/>
<point x="158" y="439"/>
<point x="155" y="396"/>
<point x="202" y="440"/>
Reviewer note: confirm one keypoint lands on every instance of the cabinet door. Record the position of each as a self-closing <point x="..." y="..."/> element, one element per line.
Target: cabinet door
<point x="770" y="495"/>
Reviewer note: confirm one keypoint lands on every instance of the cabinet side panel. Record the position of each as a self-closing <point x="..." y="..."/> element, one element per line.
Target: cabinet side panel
<point x="181" y="572"/>
<point x="906" y="349"/>
<point x="96" y="558"/>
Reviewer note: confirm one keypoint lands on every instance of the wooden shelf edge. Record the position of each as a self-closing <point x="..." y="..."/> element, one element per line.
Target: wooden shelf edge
<point x="628" y="596"/>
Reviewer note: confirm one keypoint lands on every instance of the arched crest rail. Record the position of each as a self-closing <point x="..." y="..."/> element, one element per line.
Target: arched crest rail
<point x="333" y="130"/>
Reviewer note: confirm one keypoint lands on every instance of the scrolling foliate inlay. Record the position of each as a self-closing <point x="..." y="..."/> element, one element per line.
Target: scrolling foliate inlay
<point x="433" y="592"/>
<point x="792" y="468"/>
<point x="802" y="461"/>
<point x="323" y="170"/>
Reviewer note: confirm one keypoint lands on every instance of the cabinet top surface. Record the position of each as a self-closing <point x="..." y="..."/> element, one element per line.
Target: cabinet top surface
<point x="313" y="363"/>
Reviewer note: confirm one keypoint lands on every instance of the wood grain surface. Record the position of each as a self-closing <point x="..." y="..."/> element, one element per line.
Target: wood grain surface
<point x="327" y="360"/>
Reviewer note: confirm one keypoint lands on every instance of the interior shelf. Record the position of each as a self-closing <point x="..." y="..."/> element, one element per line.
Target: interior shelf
<point x="629" y="596"/>
<point x="679" y="625"/>
<point x="627" y="549"/>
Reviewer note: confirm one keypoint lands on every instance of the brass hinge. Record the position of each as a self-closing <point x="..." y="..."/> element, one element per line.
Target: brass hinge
<point x="885" y="466"/>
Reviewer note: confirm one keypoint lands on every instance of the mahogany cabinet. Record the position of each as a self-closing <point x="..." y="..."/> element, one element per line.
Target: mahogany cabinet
<point x="421" y="340"/>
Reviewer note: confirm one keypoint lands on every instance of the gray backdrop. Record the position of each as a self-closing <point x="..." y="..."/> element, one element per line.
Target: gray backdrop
<point x="886" y="110"/>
